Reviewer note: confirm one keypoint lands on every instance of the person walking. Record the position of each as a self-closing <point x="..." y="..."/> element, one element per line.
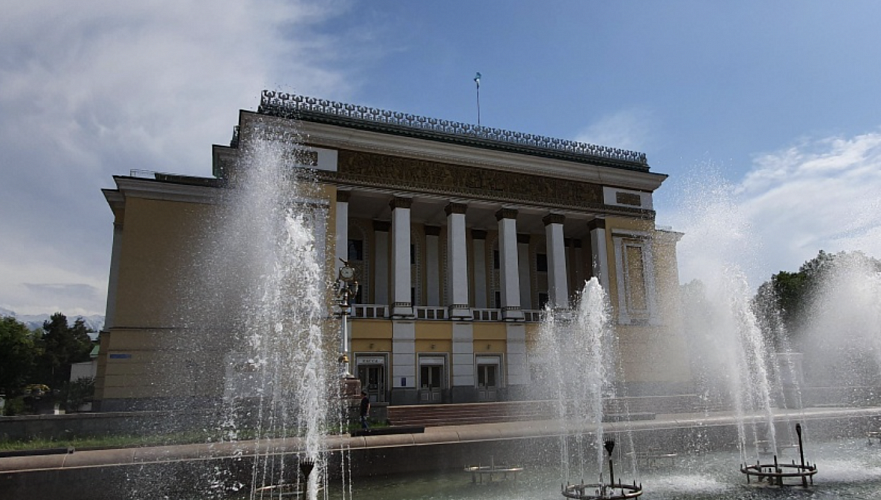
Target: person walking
<point x="365" y="410"/>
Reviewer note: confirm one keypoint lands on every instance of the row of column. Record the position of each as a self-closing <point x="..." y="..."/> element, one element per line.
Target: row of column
<point x="457" y="264"/>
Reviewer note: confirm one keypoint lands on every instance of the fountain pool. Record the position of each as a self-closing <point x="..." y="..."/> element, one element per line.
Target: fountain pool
<point x="849" y="469"/>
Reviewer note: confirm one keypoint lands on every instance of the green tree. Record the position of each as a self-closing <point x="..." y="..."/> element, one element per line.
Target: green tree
<point x="62" y="345"/>
<point x="782" y="304"/>
<point x="18" y="355"/>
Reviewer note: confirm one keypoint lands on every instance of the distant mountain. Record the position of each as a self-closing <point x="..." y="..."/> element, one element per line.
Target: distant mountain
<point x="34" y="321"/>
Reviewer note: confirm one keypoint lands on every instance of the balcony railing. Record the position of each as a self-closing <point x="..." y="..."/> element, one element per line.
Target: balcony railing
<point x="370" y="311"/>
<point x="438" y="313"/>
<point x="431" y="312"/>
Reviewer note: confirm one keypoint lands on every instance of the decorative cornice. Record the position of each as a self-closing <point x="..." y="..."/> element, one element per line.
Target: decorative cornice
<point x="506" y="213"/>
<point x="455" y="208"/>
<point x="400" y="202"/>
<point x="553" y="219"/>
<point x="294" y="106"/>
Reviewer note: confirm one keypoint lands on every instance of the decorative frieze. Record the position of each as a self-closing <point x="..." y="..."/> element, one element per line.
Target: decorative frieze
<point x="394" y="172"/>
<point x="631" y="199"/>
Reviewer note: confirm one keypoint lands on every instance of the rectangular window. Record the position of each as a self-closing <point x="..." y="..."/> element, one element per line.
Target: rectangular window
<point x="430" y="376"/>
<point x="356" y="250"/>
<point x="541" y="262"/>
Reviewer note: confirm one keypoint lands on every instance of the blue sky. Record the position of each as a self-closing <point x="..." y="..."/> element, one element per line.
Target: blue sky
<point x="765" y="115"/>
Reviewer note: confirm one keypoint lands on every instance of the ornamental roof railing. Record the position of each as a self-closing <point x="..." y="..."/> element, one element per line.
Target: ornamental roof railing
<point x="314" y="109"/>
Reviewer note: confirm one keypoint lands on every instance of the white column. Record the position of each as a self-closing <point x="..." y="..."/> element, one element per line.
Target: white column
<point x="558" y="287"/>
<point x="478" y="238"/>
<point x="342" y="229"/>
<point x="523" y="266"/>
<point x="401" y="305"/>
<point x="432" y="269"/>
<point x="599" y="256"/>
<point x="509" y="268"/>
<point x="457" y="264"/>
<point x="381" y="261"/>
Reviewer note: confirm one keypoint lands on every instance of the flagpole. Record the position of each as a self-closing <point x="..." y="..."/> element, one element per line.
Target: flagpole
<point x="477" y="81"/>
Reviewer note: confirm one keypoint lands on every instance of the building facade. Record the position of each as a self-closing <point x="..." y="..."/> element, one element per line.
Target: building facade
<point x="460" y="235"/>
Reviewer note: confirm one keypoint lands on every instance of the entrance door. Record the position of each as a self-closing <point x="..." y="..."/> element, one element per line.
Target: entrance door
<point x="431" y="383"/>
<point x="373" y="381"/>
<point x="487" y="386"/>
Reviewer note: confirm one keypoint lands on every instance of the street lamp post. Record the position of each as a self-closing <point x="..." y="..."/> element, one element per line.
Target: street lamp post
<point x="346" y="290"/>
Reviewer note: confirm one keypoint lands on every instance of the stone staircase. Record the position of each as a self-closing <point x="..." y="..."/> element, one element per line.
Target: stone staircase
<point x="468" y="413"/>
<point x="514" y="411"/>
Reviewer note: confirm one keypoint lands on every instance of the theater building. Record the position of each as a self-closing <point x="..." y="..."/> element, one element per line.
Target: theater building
<point x="459" y="235"/>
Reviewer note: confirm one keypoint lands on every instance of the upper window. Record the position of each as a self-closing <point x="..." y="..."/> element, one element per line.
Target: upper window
<point x="541" y="262"/>
<point x="356" y="250"/>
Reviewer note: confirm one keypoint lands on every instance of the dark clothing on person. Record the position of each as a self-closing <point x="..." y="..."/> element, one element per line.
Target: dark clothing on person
<point x="365" y="410"/>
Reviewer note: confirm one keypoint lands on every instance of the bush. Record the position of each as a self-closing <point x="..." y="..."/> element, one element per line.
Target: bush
<point x="74" y="394"/>
<point x="14" y="406"/>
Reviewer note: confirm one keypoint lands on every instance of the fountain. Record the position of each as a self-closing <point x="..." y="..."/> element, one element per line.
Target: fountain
<point x="581" y="346"/>
<point x="276" y="227"/>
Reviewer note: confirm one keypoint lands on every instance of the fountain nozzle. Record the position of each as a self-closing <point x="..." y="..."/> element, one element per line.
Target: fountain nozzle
<point x="306" y="467"/>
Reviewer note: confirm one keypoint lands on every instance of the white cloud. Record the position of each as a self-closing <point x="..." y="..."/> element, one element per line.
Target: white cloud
<point x="626" y="129"/>
<point x="96" y="88"/>
<point x="815" y="195"/>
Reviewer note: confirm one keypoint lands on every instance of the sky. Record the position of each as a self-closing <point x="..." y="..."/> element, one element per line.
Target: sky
<point x="765" y="115"/>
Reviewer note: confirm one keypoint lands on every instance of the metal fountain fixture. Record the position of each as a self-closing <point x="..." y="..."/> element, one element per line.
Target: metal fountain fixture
<point x="493" y="472"/>
<point x="291" y="490"/>
<point x="600" y="490"/>
<point x="777" y="474"/>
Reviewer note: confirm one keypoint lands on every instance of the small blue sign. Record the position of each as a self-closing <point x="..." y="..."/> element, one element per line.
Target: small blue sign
<point x="120" y="356"/>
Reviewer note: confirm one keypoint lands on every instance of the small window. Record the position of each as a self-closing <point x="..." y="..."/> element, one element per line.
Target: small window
<point x="356" y="250"/>
<point x="541" y="262"/>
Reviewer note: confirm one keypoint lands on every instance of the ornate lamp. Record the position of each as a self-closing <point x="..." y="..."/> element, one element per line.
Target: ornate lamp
<point x="346" y="290"/>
